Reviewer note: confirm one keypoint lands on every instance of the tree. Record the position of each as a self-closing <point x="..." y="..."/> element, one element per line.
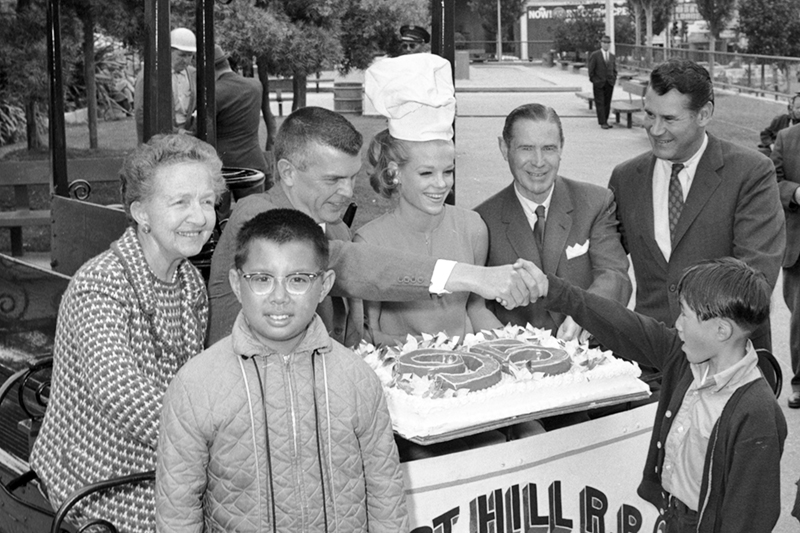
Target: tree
<point x="717" y="13"/>
<point x="23" y="63"/>
<point x="772" y="28"/>
<point x="510" y="11"/>
<point x="579" y="33"/>
<point x="656" y="16"/>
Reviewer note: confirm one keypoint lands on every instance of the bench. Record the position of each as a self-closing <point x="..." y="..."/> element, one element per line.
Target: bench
<point x="589" y="97"/>
<point x="479" y="56"/>
<point x="23" y="174"/>
<point x="630" y="106"/>
<point x="22" y="503"/>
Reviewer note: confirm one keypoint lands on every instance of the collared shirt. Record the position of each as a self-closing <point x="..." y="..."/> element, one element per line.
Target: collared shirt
<point x="605" y="56"/>
<point x="687" y="442"/>
<point x="182" y="94"/>
<point x="529" y="206"/>
<point x="661" y="176"/>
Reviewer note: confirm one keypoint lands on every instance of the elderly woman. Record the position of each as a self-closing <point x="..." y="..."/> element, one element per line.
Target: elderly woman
<point x="128" y="321"/>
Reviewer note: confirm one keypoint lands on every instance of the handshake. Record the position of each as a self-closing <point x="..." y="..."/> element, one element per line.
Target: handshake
<point x="509" y="285"/>
<point x="513" y="286"/>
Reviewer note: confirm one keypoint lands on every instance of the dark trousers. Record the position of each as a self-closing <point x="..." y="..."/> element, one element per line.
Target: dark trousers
<point x="602" y="100"/>
<point x="791" y="295"/>
<point x="677" y="518"/>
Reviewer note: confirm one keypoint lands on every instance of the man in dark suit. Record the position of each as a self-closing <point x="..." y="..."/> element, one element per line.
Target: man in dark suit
<point x="579" y="237"/>
<point x="238" y="103"/>
<point x="786" y="156"/>
<point x="693" y="196"/>
<point x="317" y="154"/>
<point x="603" y="75"/>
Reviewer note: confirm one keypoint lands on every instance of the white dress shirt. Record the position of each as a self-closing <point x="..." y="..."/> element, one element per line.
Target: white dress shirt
<point x="661" y="176"/>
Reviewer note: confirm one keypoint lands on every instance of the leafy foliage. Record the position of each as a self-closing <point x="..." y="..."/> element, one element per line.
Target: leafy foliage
<point x="717" y="13"/>
<point x="772" y="27"/>
<point x="510" y="11"/>
<point x="579" y="33"/>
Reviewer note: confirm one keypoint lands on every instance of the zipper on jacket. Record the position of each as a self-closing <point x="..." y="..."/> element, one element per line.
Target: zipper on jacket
<point x="297" y="468"/>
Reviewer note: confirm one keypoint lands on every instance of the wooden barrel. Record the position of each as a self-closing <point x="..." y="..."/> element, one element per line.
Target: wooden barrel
<point x="348" y="97"/>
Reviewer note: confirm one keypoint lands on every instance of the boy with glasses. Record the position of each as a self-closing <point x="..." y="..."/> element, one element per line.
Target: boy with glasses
<point x="277" y="427"/>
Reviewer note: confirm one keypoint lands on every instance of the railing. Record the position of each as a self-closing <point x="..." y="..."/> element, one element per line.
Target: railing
<point x="746" y="73"/>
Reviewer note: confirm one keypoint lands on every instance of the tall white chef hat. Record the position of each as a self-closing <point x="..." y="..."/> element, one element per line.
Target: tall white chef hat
<point x="415" y="92"/>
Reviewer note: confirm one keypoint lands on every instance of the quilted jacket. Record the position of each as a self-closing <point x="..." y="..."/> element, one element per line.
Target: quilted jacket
<point x="226" y="463"/>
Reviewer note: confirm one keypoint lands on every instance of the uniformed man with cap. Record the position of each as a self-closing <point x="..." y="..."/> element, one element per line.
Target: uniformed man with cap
<point x="414" y="39"/>
<point x="184" y="84"/>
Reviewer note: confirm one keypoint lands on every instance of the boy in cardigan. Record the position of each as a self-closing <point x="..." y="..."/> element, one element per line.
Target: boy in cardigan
<point x="714" y="456"/>
<point x="277" y="427"/>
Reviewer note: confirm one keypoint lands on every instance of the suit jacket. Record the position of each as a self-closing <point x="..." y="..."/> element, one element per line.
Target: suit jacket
<point x="732" y="209"/>
<point x="601" y="72"/>
<point x="362" y="272"/>
<point x="138" y="100"/>
<point x="786" y="157"/>
<point x="238" y="103"/>
<point x="581" y="245"/>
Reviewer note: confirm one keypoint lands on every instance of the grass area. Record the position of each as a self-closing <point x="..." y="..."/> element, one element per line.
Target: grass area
<point x="737" y="118"/>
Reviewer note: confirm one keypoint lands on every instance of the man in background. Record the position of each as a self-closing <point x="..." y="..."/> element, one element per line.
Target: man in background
<point x="238" y="103"/>
<point x="414" y="40"/>
<point x="184" y="84"/>
<point x="603" y="75"/>
<point x="786" y="156"/>
<point x="782" y="121"/>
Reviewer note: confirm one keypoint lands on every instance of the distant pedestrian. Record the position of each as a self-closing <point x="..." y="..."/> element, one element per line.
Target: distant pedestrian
<point x="603" y="75"/>
<point x="238" y="103"/>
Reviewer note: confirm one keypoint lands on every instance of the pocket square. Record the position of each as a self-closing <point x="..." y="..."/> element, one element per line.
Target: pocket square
<point x="577" y="250"/>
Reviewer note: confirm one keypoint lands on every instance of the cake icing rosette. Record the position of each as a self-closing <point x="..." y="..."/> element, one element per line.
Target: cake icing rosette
<point x="437" y="384"/>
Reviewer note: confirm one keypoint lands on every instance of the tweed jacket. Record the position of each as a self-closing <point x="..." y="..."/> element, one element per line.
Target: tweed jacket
<point x="362" y="272"/>
<point x="217" y="471"/>
<point x="238" y="103"/>
<point x="581" y="244"/>
<point x="121" y="337"/>
<point x="733" y="209"/>
<point x="741" y="472"/>
<point x="786" y="157"/>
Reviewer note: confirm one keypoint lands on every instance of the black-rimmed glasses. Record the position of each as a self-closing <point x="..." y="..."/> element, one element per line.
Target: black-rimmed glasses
<point x="296" y="283"/>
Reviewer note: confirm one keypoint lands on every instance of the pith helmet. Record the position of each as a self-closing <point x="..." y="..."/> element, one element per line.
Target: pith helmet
<point x="183" y="39"/>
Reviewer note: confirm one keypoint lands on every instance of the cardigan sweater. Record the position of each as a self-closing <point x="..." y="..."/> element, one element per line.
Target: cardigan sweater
<point x="742" y="465"/>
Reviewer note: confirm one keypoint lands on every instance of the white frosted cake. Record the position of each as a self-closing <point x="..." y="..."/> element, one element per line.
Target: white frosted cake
<point x="439" y="385"/>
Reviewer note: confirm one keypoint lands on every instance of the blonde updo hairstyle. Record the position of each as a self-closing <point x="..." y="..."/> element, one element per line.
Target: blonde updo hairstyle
<point x="384" y="150"/>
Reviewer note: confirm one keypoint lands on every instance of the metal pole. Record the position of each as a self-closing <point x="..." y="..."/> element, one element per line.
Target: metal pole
<point x="443" y="43"/>
<point x="58" y="145"/>
<point x="206" y="76"/>
<point x="158" y="110"/>
<point x="610" y="24"/>
<point x="499" y="35"/>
